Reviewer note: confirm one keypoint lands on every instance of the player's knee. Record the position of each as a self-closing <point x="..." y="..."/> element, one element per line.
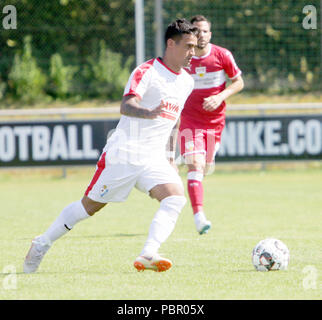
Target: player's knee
<point x="173" y="203"/>
<point x="91" y="206"/>
<point x="196" y="165"/>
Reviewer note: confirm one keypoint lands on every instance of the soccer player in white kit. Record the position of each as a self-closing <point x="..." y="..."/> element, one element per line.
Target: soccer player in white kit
<point x="135" y="155"/>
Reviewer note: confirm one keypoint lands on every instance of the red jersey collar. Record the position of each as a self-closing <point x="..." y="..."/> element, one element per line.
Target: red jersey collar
<point x="161" y="62"/>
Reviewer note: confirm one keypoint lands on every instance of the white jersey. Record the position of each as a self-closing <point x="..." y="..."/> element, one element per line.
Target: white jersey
<point x="138" y="140"/>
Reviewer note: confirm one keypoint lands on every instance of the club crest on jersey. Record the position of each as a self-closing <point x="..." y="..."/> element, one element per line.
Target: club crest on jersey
<point x="201" y="71"/>
<point x="189" y="146"/>
<point x="103" y="191"/>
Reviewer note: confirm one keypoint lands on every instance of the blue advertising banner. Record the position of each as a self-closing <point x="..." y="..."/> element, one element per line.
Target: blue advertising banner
<point x="80" y="142"/>
<point x="259" y="138"/>
<point x="52" y="143"/>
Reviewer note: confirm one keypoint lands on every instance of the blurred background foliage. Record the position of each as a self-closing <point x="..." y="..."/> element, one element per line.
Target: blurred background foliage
<point x="81" y="49"/>
<point x="276" y="54"/>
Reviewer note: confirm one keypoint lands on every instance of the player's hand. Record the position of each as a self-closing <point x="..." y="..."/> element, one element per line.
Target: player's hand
<point x="212" y="103"/>
<point x="173" y="164"/>
<point x="154" y="113"/>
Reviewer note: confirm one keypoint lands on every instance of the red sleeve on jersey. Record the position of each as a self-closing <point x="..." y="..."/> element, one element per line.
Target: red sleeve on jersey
<point x="230" y="65"/>
<point x="136" y="85"/>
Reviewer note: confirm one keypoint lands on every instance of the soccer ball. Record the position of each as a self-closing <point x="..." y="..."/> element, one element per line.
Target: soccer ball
<point x="270" y="254"/>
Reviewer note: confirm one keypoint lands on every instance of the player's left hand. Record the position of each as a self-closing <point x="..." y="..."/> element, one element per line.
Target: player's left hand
<point x="213" y="102"/>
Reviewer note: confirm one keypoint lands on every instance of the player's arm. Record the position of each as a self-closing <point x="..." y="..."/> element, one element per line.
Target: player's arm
<point x="213" y="102"/>
<point x="172" y="144"/>
<point x="236" y="86"/>
<point x="130" y="107"/>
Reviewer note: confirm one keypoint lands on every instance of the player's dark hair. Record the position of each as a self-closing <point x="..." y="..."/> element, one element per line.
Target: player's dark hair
<point x="178" y="28"/>
<point x="199" y="18"/>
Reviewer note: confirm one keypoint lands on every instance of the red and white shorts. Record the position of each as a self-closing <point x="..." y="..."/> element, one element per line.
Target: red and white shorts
<point x="194" y="140"/>
<point x="113" y="182"/>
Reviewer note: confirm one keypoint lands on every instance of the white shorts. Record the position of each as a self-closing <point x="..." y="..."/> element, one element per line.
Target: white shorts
<point x="114" y="182"/>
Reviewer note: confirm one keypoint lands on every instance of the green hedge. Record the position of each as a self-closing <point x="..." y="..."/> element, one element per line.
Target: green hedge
<point x="104" y="74"/>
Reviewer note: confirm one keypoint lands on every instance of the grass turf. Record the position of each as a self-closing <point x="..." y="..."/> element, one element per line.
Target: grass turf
<point x="95" y="259"/>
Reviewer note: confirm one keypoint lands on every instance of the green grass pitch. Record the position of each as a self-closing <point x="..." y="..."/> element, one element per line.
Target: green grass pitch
<point x="95" y="259"/>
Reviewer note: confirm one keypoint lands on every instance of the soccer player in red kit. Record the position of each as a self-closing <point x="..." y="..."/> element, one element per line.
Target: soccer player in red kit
<point x="203" y="116"/>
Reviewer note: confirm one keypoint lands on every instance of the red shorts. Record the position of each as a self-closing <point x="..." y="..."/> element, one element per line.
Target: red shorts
<point x="193" y="139"/>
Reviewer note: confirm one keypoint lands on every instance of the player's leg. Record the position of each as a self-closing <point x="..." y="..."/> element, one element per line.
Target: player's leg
<point x="172" y="200"/>
<point x="71" y="215"/>
<point x="68" y="218"/>
<point x="193" y="148"/>
<point x="171" y="197"/>
<point x="211" y="154"/>
<point x="196" y="166"/>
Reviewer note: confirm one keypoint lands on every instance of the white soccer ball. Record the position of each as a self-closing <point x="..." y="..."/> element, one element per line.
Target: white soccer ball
<point x="270" y="254"/>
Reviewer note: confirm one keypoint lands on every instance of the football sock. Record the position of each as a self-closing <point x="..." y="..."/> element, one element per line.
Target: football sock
<point x="163" y="223"/>
<point x="70" y="215"/>
<point x="195" y="190"/>
<point x="199" y="217"/>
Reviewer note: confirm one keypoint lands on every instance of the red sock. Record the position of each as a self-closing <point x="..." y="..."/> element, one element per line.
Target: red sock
<point x="195" y="190"/>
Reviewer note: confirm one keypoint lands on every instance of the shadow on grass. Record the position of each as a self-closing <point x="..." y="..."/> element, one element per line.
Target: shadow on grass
<point x="245" y="270"/>
<point x="116" y="235"/>
<point x="60" y="272"/>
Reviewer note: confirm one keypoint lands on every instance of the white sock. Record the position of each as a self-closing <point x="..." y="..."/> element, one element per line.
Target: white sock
<point x="70" y="215"/>
<point x="199" y="216"/>
<point x="163" y="223"/>
<point x="195" y="175"/>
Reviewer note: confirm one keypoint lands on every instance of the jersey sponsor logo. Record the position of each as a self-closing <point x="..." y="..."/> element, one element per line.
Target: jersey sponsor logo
<point x="209" y="80"/>
<point x="170" y="111"/>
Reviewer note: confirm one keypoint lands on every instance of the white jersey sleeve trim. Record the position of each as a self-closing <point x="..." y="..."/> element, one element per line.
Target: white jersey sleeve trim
<point x="237" y="75"/>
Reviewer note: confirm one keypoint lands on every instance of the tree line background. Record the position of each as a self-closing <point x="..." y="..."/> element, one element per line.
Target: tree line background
<point x="79" y="49"/>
